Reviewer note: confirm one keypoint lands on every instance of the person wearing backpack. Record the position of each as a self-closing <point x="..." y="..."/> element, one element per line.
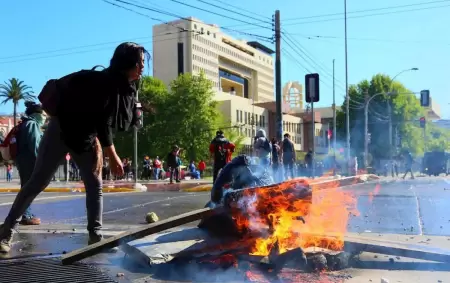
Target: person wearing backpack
<point x="288" y="156"/>
<point x="262" y="148"/>
<point x="85" y="106"/>
<point x="221" y="149"/>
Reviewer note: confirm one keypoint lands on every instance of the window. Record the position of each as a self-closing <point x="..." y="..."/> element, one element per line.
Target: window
<point x="207" y="34"/>
<point x="202" y="32"/>
<point x="214" y="35"/>
<point x="195" y="26"/>
<point x="263" y="121"/>
<point x="246" y="120"/>
<point x="240" y="117"/>
<point x="237" y="115"/>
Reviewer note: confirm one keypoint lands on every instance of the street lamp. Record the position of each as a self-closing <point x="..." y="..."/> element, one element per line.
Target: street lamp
<point x="390" y="110"/>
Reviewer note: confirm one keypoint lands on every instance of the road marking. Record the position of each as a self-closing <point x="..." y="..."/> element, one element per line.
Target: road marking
<point x="59" y="197"/>
<point x="140" y="205"/>
<point x="419" y="217"/>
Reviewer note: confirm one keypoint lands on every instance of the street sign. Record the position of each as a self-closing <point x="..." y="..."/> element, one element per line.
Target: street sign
<point x="67" y="157"/>
<point x="425" y="98"/>
<point x="312" y="88"/>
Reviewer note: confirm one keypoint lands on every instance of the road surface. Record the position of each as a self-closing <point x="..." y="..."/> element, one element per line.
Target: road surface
<point x="413" y="207"/>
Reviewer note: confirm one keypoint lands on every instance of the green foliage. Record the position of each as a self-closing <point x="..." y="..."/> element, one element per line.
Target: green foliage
<point x="405" y="109"/>
<point x="185" y="115"/>
<point x="15" y="90"/>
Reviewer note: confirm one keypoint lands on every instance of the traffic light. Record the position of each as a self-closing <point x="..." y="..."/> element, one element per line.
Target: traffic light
<point x="425" y="98"/>
<point x="312" y="88"/>
<point x="422" y="122"/>
<point x="138" y="116"/>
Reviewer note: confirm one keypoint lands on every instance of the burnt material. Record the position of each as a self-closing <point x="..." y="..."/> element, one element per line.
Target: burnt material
<point x="48" y="270"/>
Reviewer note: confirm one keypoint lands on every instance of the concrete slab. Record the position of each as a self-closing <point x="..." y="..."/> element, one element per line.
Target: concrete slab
<point x="163" y="247"/>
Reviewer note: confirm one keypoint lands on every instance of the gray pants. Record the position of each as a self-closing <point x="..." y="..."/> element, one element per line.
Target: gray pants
<point x="52" y="151"/>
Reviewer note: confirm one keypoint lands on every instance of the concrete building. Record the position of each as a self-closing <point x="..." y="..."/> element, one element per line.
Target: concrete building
<point x="242" y="73"/>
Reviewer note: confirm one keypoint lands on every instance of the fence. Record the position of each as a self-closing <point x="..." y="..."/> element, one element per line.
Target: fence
<point x="59" y="175"/>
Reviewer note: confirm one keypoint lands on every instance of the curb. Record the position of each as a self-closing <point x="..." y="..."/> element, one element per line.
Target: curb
<point x="196" y="189"/>
<point x="71" y="190"/>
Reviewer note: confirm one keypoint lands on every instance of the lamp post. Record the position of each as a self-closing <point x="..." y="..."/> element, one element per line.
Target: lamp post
<point x="390" y="110"/>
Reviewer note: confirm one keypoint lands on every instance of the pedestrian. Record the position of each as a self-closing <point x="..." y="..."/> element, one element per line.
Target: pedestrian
<point x="157" y="166"/>
<point x="276" y="160"/>
<point x="288" y="156"/>
<point x="9" y="172"/>
<point x="28" y="140"/>
<point x="263" y="149"/>
<point x="221" y="150"/>
<point x="309" y="163"/>
<point x="173" y="160"/>
<point x="84" y="106"/>
<point x="201" y="167"/>
<point x="409" y="160"/>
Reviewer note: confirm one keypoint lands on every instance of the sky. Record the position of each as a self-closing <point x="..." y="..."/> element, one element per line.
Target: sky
<point x="51" y="38"/>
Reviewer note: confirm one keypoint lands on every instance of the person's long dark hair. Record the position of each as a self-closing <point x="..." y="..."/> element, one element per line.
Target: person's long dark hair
<point x="127" y="55"/>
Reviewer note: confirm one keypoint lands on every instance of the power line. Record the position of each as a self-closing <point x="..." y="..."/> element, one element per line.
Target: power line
<point x="242" y="9"/>
<point x="367" y="10"/>
<point x="355" y="17"/>
<point x="217" y="14"/>
<point x="190" y="20"/>
<point x="77" y="52"/>
<point x="369" y="15"/>
<point x="233" y="11"/>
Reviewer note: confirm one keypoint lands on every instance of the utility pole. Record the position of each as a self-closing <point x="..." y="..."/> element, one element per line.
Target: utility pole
<point x="347" y="97"/>
<point x="334" y="123"/>
<point x="135" y="150"/>
<point x="278" y="98"/>
<point x="366" y="129"/>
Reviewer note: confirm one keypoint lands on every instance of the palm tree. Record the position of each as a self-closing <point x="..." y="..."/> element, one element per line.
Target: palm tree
<point x="15" y="90"/>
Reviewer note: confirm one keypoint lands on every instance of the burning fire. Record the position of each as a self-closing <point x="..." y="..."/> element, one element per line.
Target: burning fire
<point x="275" y="215"/>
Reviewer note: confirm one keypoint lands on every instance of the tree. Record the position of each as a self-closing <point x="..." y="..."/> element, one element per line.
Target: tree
<point x="15" y="90"/>
<point x="185" y="115"/>
<point x="405" y="110"/>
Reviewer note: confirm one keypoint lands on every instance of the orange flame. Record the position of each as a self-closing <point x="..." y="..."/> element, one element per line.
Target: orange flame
<point x="276" y="215"/>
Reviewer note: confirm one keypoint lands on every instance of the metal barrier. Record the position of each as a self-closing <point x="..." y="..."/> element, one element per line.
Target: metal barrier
<point x="59" y="174"/>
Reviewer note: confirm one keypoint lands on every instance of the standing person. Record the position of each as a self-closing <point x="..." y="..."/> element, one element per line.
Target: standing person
<point x="276" y="160"/>
<point x="28" y="140"/>
<point x="100" y="101"/>
<point x="106" y="169"/>
<point x="309" y="163"/>
<point x="201" y="167"/>
<point x="263" y="149"/>
<point x="221" y="149"/>
<point x="157" y="166"/>
<point x="173" y="160"/>
<point x="288" y="156"/>
<point x="409" y="160"/>
<point x="146" y="165"/>
<point x="9" y="172"/>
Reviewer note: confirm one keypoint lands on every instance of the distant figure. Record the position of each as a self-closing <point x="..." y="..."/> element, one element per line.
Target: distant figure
<point x="201" y="167"/>
<point x="221" y="149"/>
<point x="408" y="164"/>
<point x="309" y="163"/>
<point x="288" y="156"/>
<point x="276" y="152"/>
<point x="263" y="149"/>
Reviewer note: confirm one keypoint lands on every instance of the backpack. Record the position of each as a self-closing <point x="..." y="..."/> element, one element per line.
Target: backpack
<point x="51" y="93"/>
<point x="267" y="146"/>
<point x="220" y="151"/>
<point x="8" y="148"/>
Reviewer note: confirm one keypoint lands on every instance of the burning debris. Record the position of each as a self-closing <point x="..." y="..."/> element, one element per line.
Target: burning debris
<point x="277" y="223"/>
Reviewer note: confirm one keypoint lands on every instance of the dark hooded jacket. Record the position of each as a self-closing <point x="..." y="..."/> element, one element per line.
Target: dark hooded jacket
<point x="92" y="103"/>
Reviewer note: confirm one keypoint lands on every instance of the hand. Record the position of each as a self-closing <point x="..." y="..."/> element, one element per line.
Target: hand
<point x="116" y="166"/>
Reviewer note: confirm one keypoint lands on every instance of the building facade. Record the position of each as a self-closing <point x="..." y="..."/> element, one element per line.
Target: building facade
<point x="241" y="72"/>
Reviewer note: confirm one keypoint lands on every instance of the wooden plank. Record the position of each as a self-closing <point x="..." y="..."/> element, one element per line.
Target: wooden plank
<point x="137" y="233"/>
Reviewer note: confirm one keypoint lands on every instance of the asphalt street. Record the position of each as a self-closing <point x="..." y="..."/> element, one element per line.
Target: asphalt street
<point x="411" y="207"/>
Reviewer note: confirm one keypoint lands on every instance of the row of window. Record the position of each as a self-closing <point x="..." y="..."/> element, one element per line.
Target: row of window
<point x="205" y="61"/>
<point x="231" y="52"/>
<point x="204" y="51"/>
<point x="292" y="127"/>
<point x="250" y="118"/>
<point x="250" y="133"/>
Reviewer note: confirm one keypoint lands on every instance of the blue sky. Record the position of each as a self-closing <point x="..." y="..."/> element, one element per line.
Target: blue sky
<point x="86" y="31"/>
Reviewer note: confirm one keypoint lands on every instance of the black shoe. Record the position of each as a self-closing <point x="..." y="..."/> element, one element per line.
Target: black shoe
<point x="95" y="237"/>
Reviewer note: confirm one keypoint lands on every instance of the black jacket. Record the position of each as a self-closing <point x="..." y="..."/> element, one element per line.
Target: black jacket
<point x="92" y="103"/>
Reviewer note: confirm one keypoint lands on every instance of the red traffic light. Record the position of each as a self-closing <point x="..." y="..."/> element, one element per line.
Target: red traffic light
<point x="138" y="113"/>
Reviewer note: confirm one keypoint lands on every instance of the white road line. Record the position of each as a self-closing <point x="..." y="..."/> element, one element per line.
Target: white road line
<point x="6" y="194"/>
<point x="141" y="205"/>
<point x="419" y="217"/>
<point x="59" y="197"/>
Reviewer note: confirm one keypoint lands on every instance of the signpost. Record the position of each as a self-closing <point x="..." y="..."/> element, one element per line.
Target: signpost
<point x="312" y="95"/>
<point x="67" y="166"/>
